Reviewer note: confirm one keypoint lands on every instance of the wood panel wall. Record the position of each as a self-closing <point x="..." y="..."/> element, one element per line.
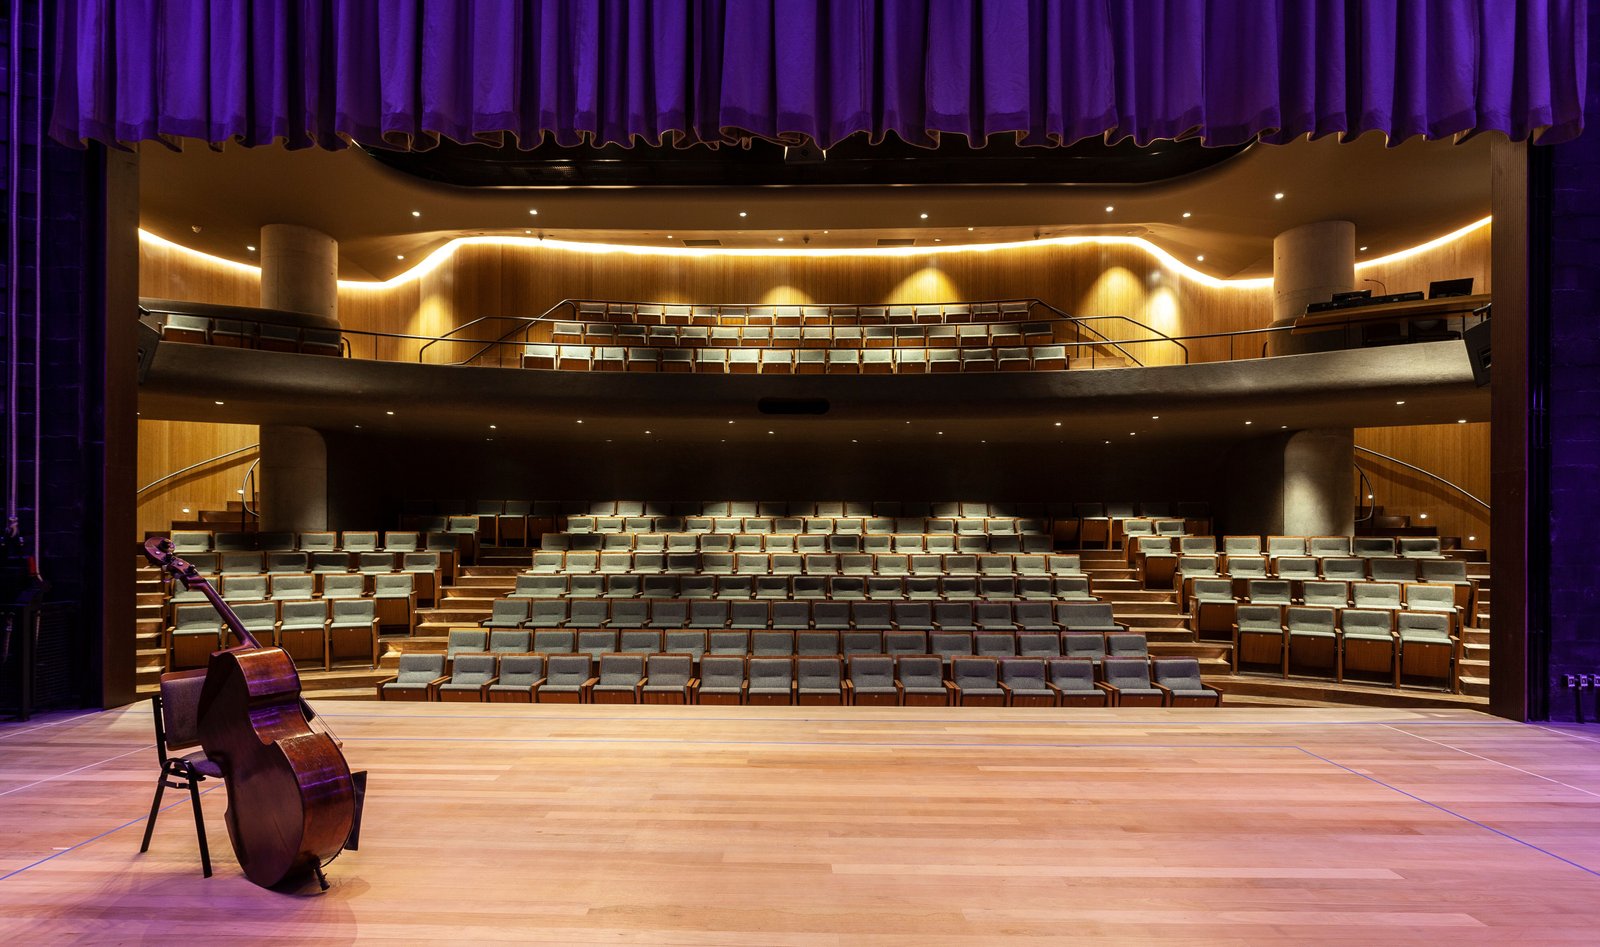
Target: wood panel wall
<point x="1456" y="452"/>
<point x="167" y="446"/>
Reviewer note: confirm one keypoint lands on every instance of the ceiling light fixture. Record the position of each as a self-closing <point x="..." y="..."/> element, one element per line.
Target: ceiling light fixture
<point x="219" y="402"/>
<point x="1399" y="402"/>
<point x="399" y="256"/>
<point x="389" y="412"/>
<point x="1363" y="249"/>
<point x="533" y="211"/>
<point x="1201" y="258"/>
<point x="416" y="213"/>
<point x="969" y="230"/>
<point x="1109" y="208"/>
<point x="1461" y="421"/>
<point x="1249" y="422"/>
<point x="743" y="214"/>
<point x="250" y="248"/>
<point x="1058" y="424"/>
<point x="1278" y="196"/>
<point x="580" y="420"/>
<point x="1155" y="417"/>
<point x="923" y="215"/>
<point x="1187" y="215"/>
<point x="780" y="239"/>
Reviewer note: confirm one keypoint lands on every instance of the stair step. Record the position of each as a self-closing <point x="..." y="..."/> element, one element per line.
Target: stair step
<point x="1475" y="687"/>
<point x="485" y="570"/>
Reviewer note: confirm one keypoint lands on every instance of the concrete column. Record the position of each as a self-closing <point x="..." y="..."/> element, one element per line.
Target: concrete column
<point x="299" y="270"/>
<point x="294" y="479"/>
<point x="1319" y="483"/>
<point x="1311" y="263"/>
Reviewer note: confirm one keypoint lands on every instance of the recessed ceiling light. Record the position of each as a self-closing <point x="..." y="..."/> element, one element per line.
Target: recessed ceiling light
<point x="669" y="236"/>
<point x="1187" y="215"/>
<point x="416" y="213"/>
<point x="240" y="492"/>
<point x="1363" y="249"/>
<point x="399" y="256"/>
<point x="358" y="427"/>
<point x="1278" y="196"/>
<point x="937" y="240"/>
<point x="743" y="214"/>
<point x="1472" y="539"/>
<point x="1424" y="516"/>
<point x="1283" y="427"/>
<point x="772" y="432"/>
<point x="580" y="420"/>
<point x="969" y="230"/>
<point x="1399" y="402"/>
<point x="1109" y="208"/>
<point x="533" y="211"/>
<point x="527" y="231"/>
<point x="219" y="402"/>
<point x="1155" y="417"/>
<point x="185" y="509"/>
<point x="1201" y="258"/>
<point x="647" y="432"/>
<point x="1369" y="496"/>
<point x="1058" y="424"/>
<point x="827" y="231"/>
<point x="493" y="427"/>
<point x="251" y="249"/>
<point x="854" y="441"/>
<point x="1249" y="422"/>
<point x="388" y="412"/>
<point x="1461" y="421"/>
<point x="1132" y="434"/>
<point x="1108" y="442"/>
<point x="923" y="215"/>
<point x="730" y="422"/>
<point x="780" y="239"/>
<point x="941" y="433"/>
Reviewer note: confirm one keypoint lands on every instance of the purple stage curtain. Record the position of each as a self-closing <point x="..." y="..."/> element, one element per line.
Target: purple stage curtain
<point x="403" y="73"/>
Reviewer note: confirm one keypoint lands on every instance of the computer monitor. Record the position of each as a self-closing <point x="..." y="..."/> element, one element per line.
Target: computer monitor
<point x="1443" y="288"/>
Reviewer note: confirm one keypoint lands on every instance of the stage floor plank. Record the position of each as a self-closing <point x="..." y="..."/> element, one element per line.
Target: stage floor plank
<point x="831" y="826"/>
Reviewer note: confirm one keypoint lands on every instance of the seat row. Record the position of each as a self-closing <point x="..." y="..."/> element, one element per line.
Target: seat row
<point x="964" y="335"/>
<point x="1084" y="645"/>
<point x="797" y="361"/>
<point x="1333" y="642"/>
<point x="871" y="680"/>
<point x="1321" y="547"/>
<point x="1182" y="571"/>
<point x="1030" y="543"/>
<point x="240" y="576"/>
<point x="637" y="313"/>
<point x="191" y="542"/>
<point x="826" y="525"/>
<point x="319" y="632"/>
<point x="799" y="615"/>
<point x="818" y="563"/>
<point x="440" y="512"/>
<point x="887" y="588"/>
<point x="1213" y="602"/>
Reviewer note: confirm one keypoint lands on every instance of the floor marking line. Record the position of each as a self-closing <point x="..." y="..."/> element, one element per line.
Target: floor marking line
<point x="852" y="743"/>
<point x="18" y="871"/>
<point x="1563" y="733"/>
<point x="55" y="723"/>
<point x="148" y="746"/>
<point x="965" y="721"/>
<point x="1451" y="812"/>
<point x="1486" y="759"/>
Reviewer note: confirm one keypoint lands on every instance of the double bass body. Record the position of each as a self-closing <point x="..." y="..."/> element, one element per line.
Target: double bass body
<point x="291" y="803"/>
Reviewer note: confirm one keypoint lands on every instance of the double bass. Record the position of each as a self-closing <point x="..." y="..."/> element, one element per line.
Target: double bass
<point x="293" y="804"/>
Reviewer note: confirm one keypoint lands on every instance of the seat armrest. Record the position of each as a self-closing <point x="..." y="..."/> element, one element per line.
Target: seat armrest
<point x="378" y="687"/>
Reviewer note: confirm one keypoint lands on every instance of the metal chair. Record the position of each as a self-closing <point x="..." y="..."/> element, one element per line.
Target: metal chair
<point x="177" y="721"/>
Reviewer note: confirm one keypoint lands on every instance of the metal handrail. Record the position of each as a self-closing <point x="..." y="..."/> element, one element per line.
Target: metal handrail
<point x="248" y="480"/>
<point x="195" y="466"/>
<point x="523" y="321"/>
<point x="1367" y="494"/>
<point x="1426" y="473"/>
<point x="1082" y="320"/>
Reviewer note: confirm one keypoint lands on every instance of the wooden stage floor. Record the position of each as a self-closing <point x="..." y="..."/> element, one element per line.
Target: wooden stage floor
<point x="813" y="826"/>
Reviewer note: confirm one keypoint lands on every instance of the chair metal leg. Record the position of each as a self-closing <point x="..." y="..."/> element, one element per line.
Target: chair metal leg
<point x="200" y="826"/>
<point x="155" y="809"/>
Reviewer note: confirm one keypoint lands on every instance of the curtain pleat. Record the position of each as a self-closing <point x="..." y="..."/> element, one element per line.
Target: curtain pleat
<point x="406" y="73"/>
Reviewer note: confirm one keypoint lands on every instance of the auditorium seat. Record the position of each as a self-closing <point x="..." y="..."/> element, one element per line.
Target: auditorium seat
<point x="639" y="641"/>
<point x="818" y="680"/>
<point x="975" y="682"/>
<point x="519" y="680"/>
<point x="771" y="680"/>
<point x="568" y="678"/>
<point x="302" y="632"/>
<point x="595" y="642"/>
<point x="470" y="678"/>
<point x="1179" y="679"/>
<point x="1372" y="547"/>
<point x="1128" y="681"/>
<point x="620" y="679"/>
<point x="668" y="678"/>
<point x="1212" y="606"/>
<point x="1381" y="595"/>
<point x="1325" y="594"/>
<point x="290" y="588"/>
<point x="1075" y="684"/>
<point x="244" y="588"/>
<point x="1402" y="571"/>
<point x="395" y="600"/>
<point x="1420" y="547"/>
<point x="1258" y="637"/>
<point x="547" y="614"/>
<point x="871" y="681"/>
<point x="507" y="613"/>
<point x="1368" y="642"/>
<point x="1343" y="569"/>
<point x="921" y="679"/>
<point x="1311" y="640"/>
<point x="416" y="680"/>
<point x="1434" y="599"/>
<point x="510" y="641"/>
<point x="1024" y="683"/>
<point x="903" y="641"/>
<point x="1427" y="649"/>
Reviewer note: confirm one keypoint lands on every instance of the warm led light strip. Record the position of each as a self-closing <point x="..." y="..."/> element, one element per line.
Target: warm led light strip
<point x="439" y="256"/>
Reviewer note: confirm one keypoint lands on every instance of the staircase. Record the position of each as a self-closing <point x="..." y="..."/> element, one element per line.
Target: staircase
<point x="1157" y="613"/>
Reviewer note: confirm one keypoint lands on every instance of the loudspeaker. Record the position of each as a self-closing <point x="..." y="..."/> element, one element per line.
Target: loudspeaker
<point x="148" y="340"/>
<point x="1477" y="339"/>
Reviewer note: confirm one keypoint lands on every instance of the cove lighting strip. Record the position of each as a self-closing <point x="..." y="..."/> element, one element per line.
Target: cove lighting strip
<point x="438" y="257"/>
